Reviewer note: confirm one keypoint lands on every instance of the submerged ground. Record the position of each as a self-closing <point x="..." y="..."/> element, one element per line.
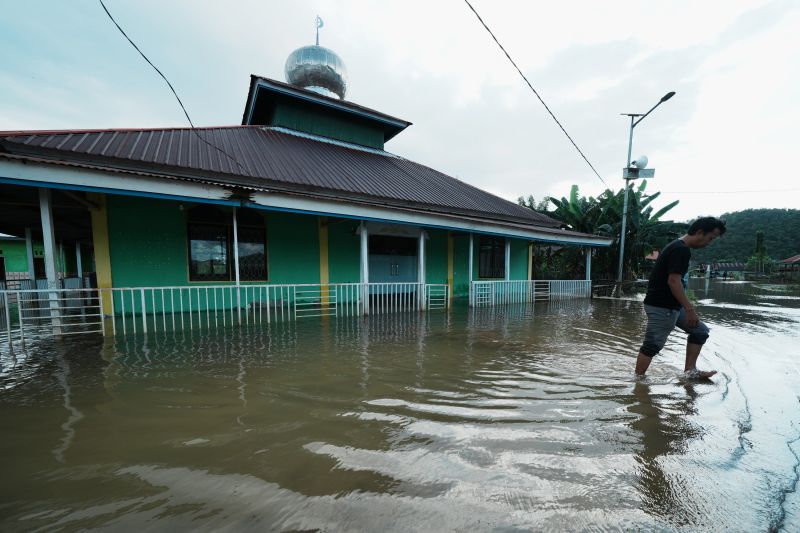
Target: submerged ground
<point x="502" y="419"/>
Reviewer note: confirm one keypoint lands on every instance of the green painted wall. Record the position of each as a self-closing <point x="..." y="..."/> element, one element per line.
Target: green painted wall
<point x="436" y="256"/>
<point x="16" y="256"/>
<point x="147" y="240"/>
<point x="344" y="251"/>
<point x="317" y="121"/>
<point x="519" y="263"/>
<point x="151" y="250"/>
<point x="292" y="248"/>
<point x="519" y="259"/>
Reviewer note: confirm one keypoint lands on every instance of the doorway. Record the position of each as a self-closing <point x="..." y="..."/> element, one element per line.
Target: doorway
<point x="393" y="259"/>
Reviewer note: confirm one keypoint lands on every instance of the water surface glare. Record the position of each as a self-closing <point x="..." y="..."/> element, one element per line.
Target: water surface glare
<point x="507" y="419"/>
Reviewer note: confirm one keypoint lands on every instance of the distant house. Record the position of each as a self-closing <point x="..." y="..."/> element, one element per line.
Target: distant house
<point x="302" y="195"/>
<point x="790" y="267"/>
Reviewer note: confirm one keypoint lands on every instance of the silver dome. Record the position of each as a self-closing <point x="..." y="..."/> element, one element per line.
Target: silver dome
<point x="317" y="69"/>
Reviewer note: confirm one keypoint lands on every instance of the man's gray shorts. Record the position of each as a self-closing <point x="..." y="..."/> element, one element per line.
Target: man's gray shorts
<point x="660" y="323"/>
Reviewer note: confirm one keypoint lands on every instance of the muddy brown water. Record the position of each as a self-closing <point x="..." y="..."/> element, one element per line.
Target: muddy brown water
<point x="509" y="419"/>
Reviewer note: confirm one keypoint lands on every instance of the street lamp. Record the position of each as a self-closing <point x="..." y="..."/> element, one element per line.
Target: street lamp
<point x="633" y="170"/>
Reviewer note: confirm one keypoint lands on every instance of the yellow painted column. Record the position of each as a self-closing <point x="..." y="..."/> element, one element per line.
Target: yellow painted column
<point x="450" y="263"/>
<point x="324" y="275"/>
<point x="102" y="249"/>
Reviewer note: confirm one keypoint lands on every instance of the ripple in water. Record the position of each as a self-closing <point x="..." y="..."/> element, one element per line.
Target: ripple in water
<point x="518" y="418"/>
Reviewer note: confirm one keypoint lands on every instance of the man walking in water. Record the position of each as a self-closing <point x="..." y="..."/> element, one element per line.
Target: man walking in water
<point x="666" y="303"/>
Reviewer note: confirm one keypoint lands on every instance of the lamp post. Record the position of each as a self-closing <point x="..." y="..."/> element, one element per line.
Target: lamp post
<point x="631" y="173"/>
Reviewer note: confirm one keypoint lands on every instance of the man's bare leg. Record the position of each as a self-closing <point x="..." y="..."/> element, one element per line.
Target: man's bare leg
<point x="692" y="353"/>
<point x="642" y="363"/>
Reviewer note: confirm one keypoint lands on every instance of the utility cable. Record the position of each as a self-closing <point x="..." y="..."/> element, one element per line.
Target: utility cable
<point x="535" y="92"/>
<point x="194" y="128"/>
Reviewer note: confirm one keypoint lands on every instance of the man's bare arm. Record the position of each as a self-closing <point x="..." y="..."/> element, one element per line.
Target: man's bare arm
<point x="676" y="287"/>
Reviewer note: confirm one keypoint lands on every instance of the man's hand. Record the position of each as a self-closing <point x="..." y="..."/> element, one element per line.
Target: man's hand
<point x="691" y="318"/>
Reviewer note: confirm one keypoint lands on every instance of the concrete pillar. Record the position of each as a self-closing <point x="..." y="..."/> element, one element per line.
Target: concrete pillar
<point x="450" y="273"/>
<point x="236" y="247"/>
<point x="49" y="241"/>
<point x="62" y="261"/>
<point x="421" y="269"/>
<point x="588" y="263"/>
<point x="78" y="265"/>
<point x="236" y="266"/>
<point x="364" y="267"/>
<point x="530" y="261"/>
<point x="470" y="259"/>
<point x="508" y="259"/>
<point x="29" y="250"/>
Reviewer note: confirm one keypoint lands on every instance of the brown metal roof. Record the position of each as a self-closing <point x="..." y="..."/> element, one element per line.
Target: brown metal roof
<point x="257" y="157"/>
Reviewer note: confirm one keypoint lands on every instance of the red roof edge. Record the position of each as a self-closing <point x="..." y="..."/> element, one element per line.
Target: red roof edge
<point x="16" y="133"/>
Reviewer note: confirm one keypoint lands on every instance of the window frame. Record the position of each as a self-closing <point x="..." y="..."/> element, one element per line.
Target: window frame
<point x="496" y="247"/>
<point x="192" y="274"/>
<point x="263" y="232"/>
<point x="216" y="218"/>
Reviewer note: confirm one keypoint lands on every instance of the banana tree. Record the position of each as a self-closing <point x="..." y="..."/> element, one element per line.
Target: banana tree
<point x="645" y="230"/>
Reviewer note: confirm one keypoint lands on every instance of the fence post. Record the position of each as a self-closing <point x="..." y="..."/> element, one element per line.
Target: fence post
<point x="144" y="313"/>
<point x="8" y="319"/>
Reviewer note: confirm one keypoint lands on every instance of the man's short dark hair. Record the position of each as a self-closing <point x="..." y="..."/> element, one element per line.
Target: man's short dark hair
<point x="706" y="225"/>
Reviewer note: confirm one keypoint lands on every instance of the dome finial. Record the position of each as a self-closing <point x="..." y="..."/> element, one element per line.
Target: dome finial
<point x="319" y="23"/>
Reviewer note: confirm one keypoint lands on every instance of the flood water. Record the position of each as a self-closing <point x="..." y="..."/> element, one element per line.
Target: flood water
<point x="507" y="419"/>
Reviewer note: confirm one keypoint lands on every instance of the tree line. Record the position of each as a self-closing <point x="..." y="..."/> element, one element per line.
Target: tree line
<point x="755" y="236"/>
<point x="781" y="237"/>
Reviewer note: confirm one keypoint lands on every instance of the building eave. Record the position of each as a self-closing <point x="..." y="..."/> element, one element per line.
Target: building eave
<point x="29" y="171"/>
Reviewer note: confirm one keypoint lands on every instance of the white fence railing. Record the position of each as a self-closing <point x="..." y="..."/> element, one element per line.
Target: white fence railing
<point x="212" y="306"/>
<point x="392" y="297"/>
<point x="489" y="293"/>
<point x="26" y="313"/>
<point x="30" y="313"/>
<point x="437" y="296"/>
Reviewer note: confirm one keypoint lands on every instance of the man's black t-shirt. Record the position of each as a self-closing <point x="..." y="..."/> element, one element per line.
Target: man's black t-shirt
<point x="673" y="259"/>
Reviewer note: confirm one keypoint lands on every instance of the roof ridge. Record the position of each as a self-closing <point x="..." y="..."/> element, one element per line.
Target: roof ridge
<point x="329" y="140"/>
<point x="18" y="133"/>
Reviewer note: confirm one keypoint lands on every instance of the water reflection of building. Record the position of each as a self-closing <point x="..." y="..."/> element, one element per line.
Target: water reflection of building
<point x="302" y="192"/>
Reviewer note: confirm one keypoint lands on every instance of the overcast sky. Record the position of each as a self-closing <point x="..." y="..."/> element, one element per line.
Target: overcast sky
<point x="733" y="127"/>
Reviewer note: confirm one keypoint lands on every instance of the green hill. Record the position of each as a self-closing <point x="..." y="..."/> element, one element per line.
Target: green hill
<point x="781" y="229"/>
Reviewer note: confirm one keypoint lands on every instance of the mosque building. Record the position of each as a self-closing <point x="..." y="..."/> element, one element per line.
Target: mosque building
<point x="303" y="195"/>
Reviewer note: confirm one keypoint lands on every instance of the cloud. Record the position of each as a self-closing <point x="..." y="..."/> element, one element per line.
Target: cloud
<point x="732" y="64"/>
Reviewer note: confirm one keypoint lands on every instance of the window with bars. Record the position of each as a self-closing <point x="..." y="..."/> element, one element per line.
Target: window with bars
<point x="210" y="237"/>
<point x="491" y="257"/>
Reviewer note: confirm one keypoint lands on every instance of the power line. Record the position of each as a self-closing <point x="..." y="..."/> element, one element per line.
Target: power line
<point x="535" y="92"/>
<point x="194" y="129"/>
